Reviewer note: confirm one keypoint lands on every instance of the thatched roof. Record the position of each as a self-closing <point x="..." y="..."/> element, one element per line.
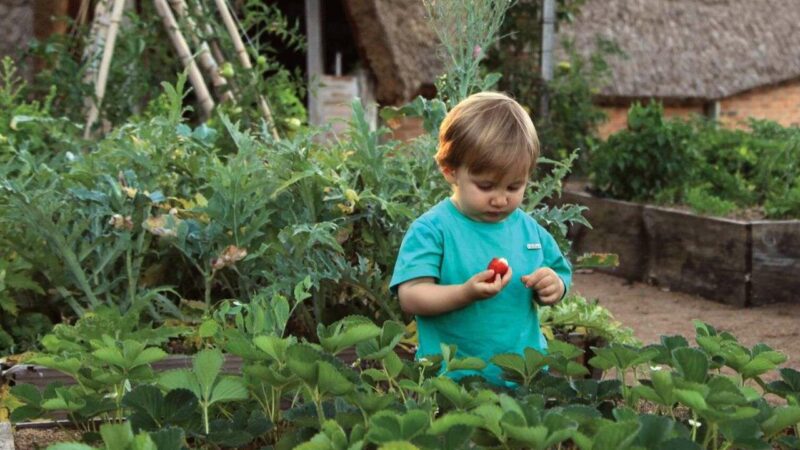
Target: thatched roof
<point x="398" y="45"/>
<point x="692" y="49"/>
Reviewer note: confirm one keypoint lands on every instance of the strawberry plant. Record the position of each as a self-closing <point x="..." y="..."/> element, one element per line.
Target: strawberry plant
<point x="673" y="396"/>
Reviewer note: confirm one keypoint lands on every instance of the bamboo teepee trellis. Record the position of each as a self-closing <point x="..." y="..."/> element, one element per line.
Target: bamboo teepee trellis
<point x="103" y="33"/>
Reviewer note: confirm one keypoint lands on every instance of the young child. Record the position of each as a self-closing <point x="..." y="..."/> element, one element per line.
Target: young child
<point x="487" y="150"/>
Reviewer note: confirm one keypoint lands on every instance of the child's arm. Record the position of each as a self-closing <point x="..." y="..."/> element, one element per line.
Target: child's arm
<point x="423" y="297"/>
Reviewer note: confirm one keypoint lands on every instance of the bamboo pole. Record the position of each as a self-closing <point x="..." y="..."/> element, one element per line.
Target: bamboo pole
<point x="185" y="55"/>
<point x="204" y="57"/>
<point x="81" y="16"/>
<point x="200" y="11"/>
<point x="244" y="58"/>
<point x="97" y="35"/>
<point x="105" y="63"/>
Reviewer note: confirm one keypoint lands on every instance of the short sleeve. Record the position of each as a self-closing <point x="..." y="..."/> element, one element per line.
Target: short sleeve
<point x="420" y="255"/>
<point x="554" y="259"/>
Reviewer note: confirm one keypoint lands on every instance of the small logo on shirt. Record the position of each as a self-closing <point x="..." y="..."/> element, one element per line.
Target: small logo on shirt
<point x="534" y="246"/>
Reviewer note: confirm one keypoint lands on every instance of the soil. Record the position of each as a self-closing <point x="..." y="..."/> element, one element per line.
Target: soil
<point x="40" y="438"/>
<point x="651" y="312"/>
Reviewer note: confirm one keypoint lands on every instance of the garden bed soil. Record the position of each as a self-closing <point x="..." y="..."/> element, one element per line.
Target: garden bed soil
<point x="653" y="312"/>
<point x="39" y="438"/>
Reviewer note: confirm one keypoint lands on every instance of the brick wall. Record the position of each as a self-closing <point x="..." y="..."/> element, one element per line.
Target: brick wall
<point x="780" y="103"/>
<point x="405" y="128"/>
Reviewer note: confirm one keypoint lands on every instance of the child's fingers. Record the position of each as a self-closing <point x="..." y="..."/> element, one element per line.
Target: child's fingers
<point x="486" y="276"/>
<point x="507" y="277"/>
<point x="536" y="278"/>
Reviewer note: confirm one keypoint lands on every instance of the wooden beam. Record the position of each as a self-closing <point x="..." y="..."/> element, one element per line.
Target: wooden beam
<point x="314" y="58"/>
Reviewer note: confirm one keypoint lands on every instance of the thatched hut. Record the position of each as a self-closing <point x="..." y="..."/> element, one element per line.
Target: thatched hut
<point x="728" y="58"/>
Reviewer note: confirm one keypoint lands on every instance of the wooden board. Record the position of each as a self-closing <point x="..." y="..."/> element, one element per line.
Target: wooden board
<point x="42" y="376"/>
<point x="776" y="262"/>
<point x="706" y="256"/>
<point x="617" y="227"/>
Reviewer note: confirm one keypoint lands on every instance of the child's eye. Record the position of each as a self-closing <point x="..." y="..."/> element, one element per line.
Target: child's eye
<point x="485" y="187"/>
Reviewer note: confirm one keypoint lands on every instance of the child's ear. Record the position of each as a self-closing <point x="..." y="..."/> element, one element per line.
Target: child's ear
<point x="449" y="174"/>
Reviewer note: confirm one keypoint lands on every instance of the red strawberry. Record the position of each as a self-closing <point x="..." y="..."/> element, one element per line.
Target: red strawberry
<point x="499" y="266"/>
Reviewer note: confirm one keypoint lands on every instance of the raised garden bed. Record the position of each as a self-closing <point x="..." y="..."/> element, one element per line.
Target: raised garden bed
<point x="737" y="262"/>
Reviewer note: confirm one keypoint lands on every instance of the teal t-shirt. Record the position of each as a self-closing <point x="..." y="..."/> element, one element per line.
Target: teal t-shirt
<point x="446" y="245"/>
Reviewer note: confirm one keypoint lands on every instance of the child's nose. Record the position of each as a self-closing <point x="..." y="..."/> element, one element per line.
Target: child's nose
<point x="499" y="200"/>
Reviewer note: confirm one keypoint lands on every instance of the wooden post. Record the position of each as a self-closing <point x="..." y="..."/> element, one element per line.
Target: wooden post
<point x="314" y="63"/>
<point x="102" y="77"/>
<point x="195" y="77"/>
<point x="244" y="58"/>
<point x="548" y="38"/>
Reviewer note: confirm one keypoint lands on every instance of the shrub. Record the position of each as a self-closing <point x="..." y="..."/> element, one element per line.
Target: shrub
<point x="652" y="158"/>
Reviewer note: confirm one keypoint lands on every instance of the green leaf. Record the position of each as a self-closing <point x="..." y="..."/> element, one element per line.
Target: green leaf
<point x="329" y="380"/>
<point x="301" y="360"/>
<point x="146" y="400"/>
<point x="148" y="356"/>
<point x="452" y="419"/>
<point x="692" y="399"/>
<point x="228" y="388"/>
<point x="491" y="414"/>
<point x="70" y="446"/>
<point x="452" y="391"/>
<point x="534" y="437"/>
<point x="273" y="346"/>
<point x="346" y="333"/>
<point x="180" y="378"/>
<point x="168" y="438"/>
<point x="28" y="393"/>
<point x="26" y="412"/>
<point x="110" y="355"/>
<point x="398" y="445"/>
<point x="616" y="436"/>
<point x="691" y="363"/>
<point x="207" y="365"/>
<point x="142" y="442"/>
<point x="510" y="361"/>
<point x="469" y="363"/>
<point x="117" y="435"/>
<point x="782" y="417"/>
<point x="208" y="328"/>
<point x="662" y="384"/>
<point x="654" y="430"/>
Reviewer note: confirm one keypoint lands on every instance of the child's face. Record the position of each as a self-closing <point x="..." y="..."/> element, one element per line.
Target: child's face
<point x="483" y="197"/>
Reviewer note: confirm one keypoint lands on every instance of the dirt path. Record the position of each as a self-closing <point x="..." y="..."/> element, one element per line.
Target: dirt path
<point x="652" y="312"/>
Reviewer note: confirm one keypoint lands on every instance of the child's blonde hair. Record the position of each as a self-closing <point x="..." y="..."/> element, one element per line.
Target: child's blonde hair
<point x="488" y="132"/>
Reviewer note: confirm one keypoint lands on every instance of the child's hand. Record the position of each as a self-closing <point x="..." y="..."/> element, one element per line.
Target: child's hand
<point x="478" y="288"/>
<point x="546" y="283"/>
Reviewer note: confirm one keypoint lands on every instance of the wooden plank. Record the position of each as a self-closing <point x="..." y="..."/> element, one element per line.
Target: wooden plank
<point x="617" y="227"/>
<point x="776" y="262"/>
<point x="42" y="376"/>
<point x="6" y="436"/>
<point x="700" y="255"/>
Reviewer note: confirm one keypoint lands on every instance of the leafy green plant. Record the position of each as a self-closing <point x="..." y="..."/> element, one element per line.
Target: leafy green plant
<point x="654" y="158"/>
<point x="700" y="200"/>
<point x="206" y="382"/>
<point x="689" y="403"/>
<point x="576" y="314"/>
<point x="711" y="169"/>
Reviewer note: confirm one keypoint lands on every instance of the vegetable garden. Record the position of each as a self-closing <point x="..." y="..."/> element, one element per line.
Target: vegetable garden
<point x="154" y="232"/>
